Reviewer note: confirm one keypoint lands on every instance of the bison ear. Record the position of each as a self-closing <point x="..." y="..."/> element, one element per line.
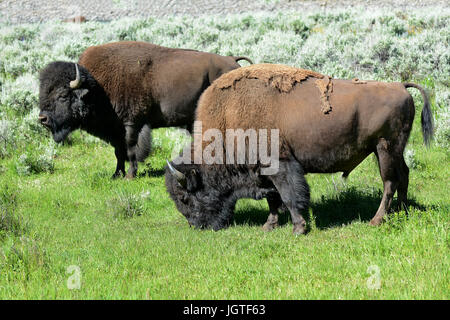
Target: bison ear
<point x="193" y="181"/>
<point x="79" y="106"/>
<point x="80" y="93"/>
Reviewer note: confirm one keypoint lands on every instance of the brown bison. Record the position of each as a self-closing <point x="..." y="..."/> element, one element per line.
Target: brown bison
<point x="119" y="91"/>
<point x="325" y="125"/>
<point x="77" y="19"/>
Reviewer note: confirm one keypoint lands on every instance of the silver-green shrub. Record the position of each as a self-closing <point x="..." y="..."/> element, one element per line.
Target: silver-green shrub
<point x="126" y="204"/>
<point x="37" y="161"/>
<point x="410" y="158"/>
<point x="442" y="134"/>
<point x="20" y="95"/>
<point x="7" y="137"/>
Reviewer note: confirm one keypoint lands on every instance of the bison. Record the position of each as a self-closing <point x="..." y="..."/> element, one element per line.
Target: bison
<point x="325" y="125"/>
<point x="120" y="91"/>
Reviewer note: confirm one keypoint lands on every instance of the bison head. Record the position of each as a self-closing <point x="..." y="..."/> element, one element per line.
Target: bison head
<point x="203" y="204"/>
<point x="206" y="194"/>
<point x="61" y="98"/>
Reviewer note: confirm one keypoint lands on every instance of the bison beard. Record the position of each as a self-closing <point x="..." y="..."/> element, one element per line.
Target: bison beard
<point x="366" y="117"/>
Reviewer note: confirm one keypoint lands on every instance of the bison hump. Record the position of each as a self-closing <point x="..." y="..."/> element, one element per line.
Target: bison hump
<point x="278" y="76"/>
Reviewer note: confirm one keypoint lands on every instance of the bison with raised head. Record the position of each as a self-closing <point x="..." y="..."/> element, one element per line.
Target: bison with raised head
<point x="119" y="91"/>
<point x="325" y="125"/>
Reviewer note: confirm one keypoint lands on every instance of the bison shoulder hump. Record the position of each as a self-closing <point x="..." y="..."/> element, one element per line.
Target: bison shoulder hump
<point x="280" y="77"/>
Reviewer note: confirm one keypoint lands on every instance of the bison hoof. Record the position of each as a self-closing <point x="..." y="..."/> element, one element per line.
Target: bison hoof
<point x="269" y="226"/>
<point x="129" y="176"/>
<point x="299" y="229"/>
<point x="117" y="175"/>
<point x="376" y="221"/>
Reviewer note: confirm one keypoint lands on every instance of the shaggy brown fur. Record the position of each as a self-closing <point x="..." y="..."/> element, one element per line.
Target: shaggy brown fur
<point x="357" y="81"/>
<point x="154" y="84"/>
<point x="281" y="77"/>
<point x="375" y="118"/>
<point x="77" y="19"/>
<point x="325" y="86"/>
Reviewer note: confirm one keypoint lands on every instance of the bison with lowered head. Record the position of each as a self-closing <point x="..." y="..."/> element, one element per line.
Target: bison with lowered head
<point x="119" y="91"/>
<point x="325" y="125"/>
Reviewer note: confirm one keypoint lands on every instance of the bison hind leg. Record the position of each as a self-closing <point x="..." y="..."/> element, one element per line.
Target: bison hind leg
<point x="294" y="192"/>
<point x="395" y="175"/>
<point x="131" y="139"/>
<point x="144" y="143"/>
<point x="138" y="143"/>
<point x="402" y="189"/>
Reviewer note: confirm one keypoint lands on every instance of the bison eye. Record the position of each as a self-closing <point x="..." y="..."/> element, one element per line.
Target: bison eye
<point x="185" y="199"/>
<point x="62" y="99"/>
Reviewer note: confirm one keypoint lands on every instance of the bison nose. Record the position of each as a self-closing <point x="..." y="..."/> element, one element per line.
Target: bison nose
<point x="43" y="119"/>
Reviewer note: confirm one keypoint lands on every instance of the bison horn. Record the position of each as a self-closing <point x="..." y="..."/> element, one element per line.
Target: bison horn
<point x="75" y="84"/>
<point x="181" y="178"/>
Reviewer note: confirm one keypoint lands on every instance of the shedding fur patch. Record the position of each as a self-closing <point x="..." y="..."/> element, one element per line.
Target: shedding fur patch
<point x="279" y="76"/>
<point x="357" y="81"/>
<point x="144" y="143"/>
<point x="325" y="87"/>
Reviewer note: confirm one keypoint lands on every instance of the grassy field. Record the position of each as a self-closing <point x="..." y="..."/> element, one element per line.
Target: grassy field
<point x="68" y="231"/>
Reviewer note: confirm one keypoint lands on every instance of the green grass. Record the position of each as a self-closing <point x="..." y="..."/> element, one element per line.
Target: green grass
<point x="73" y="217"/>
<point x="59" y="207"/>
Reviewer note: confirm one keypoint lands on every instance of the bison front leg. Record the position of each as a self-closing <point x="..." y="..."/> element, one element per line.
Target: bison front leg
<point x="131" y="138"/>
<point x="294" y="191"/>
<point x="121" y="155"/>
<point x="275" y="202"/>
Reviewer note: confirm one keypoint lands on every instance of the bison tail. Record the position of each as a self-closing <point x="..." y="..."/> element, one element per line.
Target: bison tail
<point x="144" y="143"/>
<point x="427" y="115"/>
<point x="242" y="58"/>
